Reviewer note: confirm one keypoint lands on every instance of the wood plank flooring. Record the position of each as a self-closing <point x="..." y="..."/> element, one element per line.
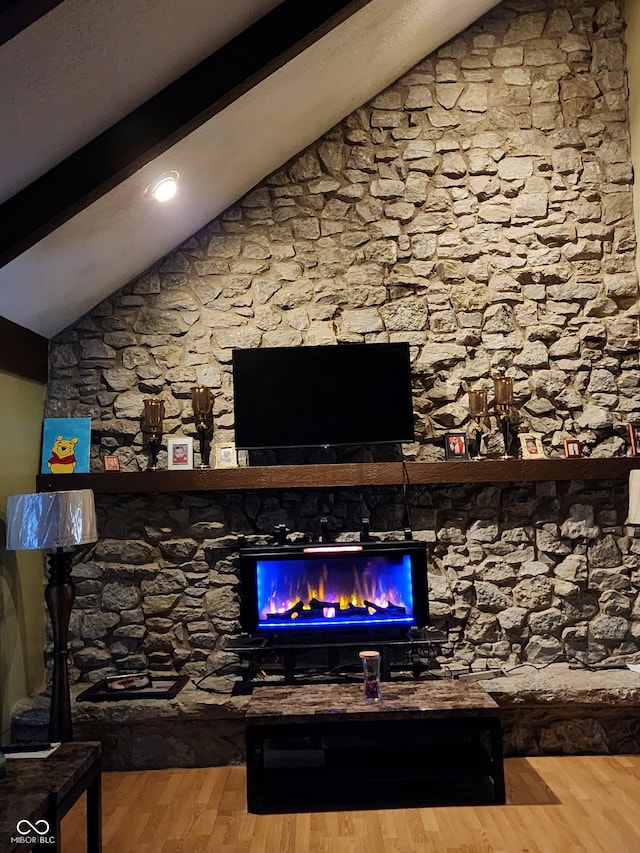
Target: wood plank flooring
<point x="554" y="805"/>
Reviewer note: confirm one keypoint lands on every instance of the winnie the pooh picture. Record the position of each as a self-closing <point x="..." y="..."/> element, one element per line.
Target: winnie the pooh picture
<point x="63" y="460"/>
<point x="66" y="444"/>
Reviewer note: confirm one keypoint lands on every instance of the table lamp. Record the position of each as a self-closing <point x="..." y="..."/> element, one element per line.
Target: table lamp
<point x="55" y="520"/>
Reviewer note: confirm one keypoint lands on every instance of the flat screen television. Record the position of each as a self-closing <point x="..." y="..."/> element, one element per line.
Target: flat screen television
<point x="322" y="396"/>
<point x="320" y="589"/>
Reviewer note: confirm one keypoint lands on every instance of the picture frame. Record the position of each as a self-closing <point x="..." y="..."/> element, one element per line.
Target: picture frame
<point x="110" y="462"/>
<point x="225" y="455"/>
<point x="66" y="445"/>
<point x="531" y="445"/>
<point x="456" y="445"/>
<point x="160" y="687"/>
<point x="179" y="453"/>
<point x="634" y="437"/>
<point x="128" y="681"/>
<point x="572" y="448"/>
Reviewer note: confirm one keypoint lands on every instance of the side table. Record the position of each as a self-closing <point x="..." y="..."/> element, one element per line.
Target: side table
<point x="36" y="793"/>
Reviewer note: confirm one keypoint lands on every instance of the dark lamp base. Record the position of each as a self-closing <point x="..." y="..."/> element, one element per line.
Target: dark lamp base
<point x="59" y="595"/>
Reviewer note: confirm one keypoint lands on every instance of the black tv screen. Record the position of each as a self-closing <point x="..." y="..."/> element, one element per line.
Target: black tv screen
<point x="322" y="396"/>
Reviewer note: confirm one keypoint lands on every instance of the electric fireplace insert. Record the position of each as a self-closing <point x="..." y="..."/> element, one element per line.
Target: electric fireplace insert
<point x="316" y="589"/>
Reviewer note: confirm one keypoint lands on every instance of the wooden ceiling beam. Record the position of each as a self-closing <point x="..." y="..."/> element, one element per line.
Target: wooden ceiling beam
<point x="165" y="119"/>
<point x="23" y="352"/>
<point x="17" y="15"/>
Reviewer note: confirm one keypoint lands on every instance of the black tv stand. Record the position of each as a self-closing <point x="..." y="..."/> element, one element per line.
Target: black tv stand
<point x="324" y="747"/>
<point x="255" y="651"/>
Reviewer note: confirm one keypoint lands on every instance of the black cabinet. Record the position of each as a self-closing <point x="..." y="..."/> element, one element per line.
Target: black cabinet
<point x="414" y="760"/>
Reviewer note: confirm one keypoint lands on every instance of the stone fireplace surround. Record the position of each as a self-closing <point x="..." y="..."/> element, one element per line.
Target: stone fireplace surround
<point x="479" y="208"/>
<point x="552" y="711"/>
<point x="516" y="572"/>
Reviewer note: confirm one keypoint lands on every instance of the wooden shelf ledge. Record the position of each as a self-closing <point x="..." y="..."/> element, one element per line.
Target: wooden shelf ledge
<point x="344" y="475"/>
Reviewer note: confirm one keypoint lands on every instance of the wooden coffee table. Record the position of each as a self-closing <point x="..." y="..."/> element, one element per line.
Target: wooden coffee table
<point x="325" y="747"/>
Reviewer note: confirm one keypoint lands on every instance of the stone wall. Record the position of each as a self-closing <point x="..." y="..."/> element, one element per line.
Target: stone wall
<point x="480" y="209"/>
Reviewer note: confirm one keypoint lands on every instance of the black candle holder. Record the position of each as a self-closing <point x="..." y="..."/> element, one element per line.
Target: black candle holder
<point x="478" y="442"/>
<point x="152" y="420"/>
<point x="479" y="412"/>
<point x="505" y="426"/>
<point x="202" y="402"/>
<point x="503" y="390"/>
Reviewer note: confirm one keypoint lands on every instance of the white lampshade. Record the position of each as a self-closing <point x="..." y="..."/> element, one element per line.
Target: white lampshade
<point x="634" y="497"/>
<point x="51" y="520"/>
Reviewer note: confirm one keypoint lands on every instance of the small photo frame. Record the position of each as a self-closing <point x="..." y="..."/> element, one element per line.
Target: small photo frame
<point x="455" y="445"/>
<point x="226" y="456"/>
<point x="634" y="437"/>
<point x="531" y="445"/>
<point x="572" y="448"/>
<point x="179" y="453"/>
<point x="111" y="463"/>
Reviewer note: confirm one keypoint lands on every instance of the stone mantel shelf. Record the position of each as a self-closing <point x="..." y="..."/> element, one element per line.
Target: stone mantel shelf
<point x="343" y="475"/>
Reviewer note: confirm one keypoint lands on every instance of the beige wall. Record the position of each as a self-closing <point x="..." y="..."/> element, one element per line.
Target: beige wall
<point x="632" y="14"/>
<point x="21" y="573"/>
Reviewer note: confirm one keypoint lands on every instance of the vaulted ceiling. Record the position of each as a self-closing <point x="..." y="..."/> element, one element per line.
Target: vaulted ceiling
<point x="98" y="99"/>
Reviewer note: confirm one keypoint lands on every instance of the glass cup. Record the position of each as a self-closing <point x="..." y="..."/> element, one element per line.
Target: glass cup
<point x="503" y="390"/>
<point x="371" y="667"/>
<point x="478" y="404"/>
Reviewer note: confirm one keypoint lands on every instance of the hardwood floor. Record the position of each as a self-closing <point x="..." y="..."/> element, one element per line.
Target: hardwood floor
<point x="554" y="805"/>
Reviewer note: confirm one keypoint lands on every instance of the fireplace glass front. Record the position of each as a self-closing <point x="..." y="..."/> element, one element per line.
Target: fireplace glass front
<point x="368" y="586"/>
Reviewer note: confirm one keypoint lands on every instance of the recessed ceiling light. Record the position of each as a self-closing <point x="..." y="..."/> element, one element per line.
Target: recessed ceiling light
<point x="164" y="187"/>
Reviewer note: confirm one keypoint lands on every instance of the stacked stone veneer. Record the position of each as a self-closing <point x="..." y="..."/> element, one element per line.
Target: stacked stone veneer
<point x="479" y="208"/>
